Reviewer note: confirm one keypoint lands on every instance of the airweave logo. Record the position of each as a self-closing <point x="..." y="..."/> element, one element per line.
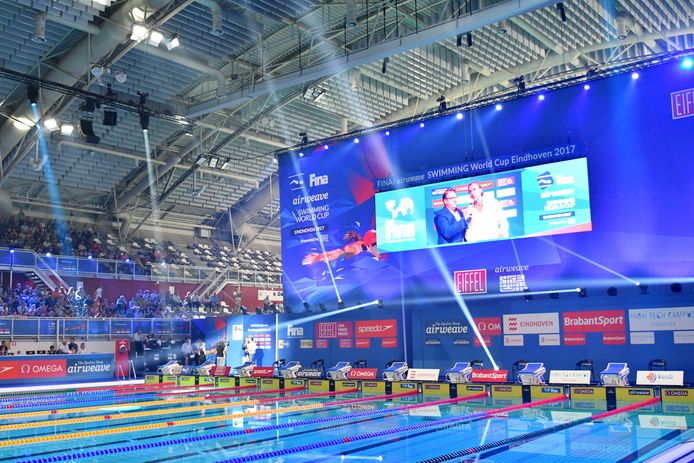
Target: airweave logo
<point x="545" y="180"/>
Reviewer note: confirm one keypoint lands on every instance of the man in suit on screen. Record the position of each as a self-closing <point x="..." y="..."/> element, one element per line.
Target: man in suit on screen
<point x="450" y="221"/>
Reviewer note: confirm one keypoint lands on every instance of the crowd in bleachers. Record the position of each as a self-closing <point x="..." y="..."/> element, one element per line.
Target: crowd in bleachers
<point x="27" y="301"/>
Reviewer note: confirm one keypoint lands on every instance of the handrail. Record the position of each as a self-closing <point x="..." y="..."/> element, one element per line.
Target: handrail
<point x="52" y="273"/>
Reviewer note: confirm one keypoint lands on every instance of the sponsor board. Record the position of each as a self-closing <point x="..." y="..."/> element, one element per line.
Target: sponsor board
<point x="362" y="373"/>
<point x="531" y="323"/>
<point x="373" y="387"/>
<point x="594" y="321"/>
<point x="512" y="283"/>
<point x="376" y="328"/>
<point x="432" y="342"/>
<point x="659" y="378"/>
<point x="306" y="344"/>
<point x="511" y="340"/>
<point x="487" y="340"/>
<point x="588" y="393"/>
<point x="318" y="385"/>
<point x="569" y="377"/>
<point x="436" y="389"/>
<point x="345" y="343"/>
<point x="575" y="339"/>
<point x="490" y="326"/>
<point x="29" y="369"/>
<point x="267" y="384"/>
<point x="489" y="376"/>
<point x="683" y="337"/>
<point x="295" y="331"/>
<point x="346" y="385"/>
<point x="327" y="330"/>
<point x="671" y="319"/>
<point x="248" y="382"/>
<point x="507" y="391"/>
<point x="262" y="372"/>
<point x="403" y="386"/>
<point x="389" y="342"/>
<point x="678" y="408"/>
<point x="471" y="389"/>
<point x="663" y="422"/>
<point x="91" y="368"/>
<point x="549" y="340"/>
<point x="461" y="342"/>
<point x="614" y="338"/>
<point x="321" y="344"/>
<point x="631" y="394"/>
<point x="642" y="337"/>
<point x="470" y="281"/>
<point x="682" y="103"/>
<point x="423" y="374"/>
<point x="309" y="373"/>
<point x="545" y="392"/>
<point x="362" y="343"/>
<point x="677" y="395"/>
<point x="446" y="328"/>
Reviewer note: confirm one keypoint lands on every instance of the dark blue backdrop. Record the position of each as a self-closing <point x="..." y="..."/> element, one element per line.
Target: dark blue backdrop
<point x="642" y="199"/>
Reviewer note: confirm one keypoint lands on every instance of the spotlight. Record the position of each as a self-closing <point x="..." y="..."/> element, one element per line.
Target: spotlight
<point x="33" y="94"/>
<point x="676" y="287"/>
<point x="554" y="295"/>
<point x="89" y="257"/>
<point x="459" y="116"/>
<point x="139" y="32"/>
<point x="88" y="106"/>
<point x="189" y="131"/>
<point x="379" y="304"/>
<point x="144" y="120"/>
<point x="621" y="27"/>
<point x="520" y="83"/>
<point x="97" y="71"/>
<point x="301" y="155"/>
<point x="51" y="124"/>
<point x="469" y="39"/>
<point x="611" y="291"/>
<point x="351" y="18"/>
<point x="442" y="103"/>
<point x="11" y="251"/>
<point x="216" y="28"/>
<point x="67" y="129"/>
<point x="48" y="254"/>
<point x="356" y="140"/>
<point x="23" y="124"/>
<point x="643" y="289"/>
<point x="586" y="87"/>
<point x="172" y="42"/>
<point x="687" y="63"/>
<point x="421" y="125"/>
<point x="387" y="133"/>
<point x="341" y="304"/>
<point x="304" y="138"/>
<point x="562" y="12"/>
<point x="384" y="67"/>
<point x="155" y="38"/>
<point x="121" y="77"/>
<point x="39" y="35"/>
<point x="635" y="75"/>
<point x="355" y="79"/>
<point x="498" y="107"/>
<point x="325" y="147"/>
<point x="582" y="292"/>
<point x="541" y="97"/>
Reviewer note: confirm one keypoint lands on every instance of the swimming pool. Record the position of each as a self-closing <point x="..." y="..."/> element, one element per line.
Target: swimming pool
<point x="146" y="424"/>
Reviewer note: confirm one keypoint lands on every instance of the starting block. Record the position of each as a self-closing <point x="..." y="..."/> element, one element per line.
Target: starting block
<point x="460" y="373"/>
<point x="616" y="374"/>
<point x="290" y="369"/>
<point x="170" y="368"/>
<point x="339" y="371"/>
<point x="245" y="370"/>
<point x="396" y="372"/>
<point x="532" y="373"/>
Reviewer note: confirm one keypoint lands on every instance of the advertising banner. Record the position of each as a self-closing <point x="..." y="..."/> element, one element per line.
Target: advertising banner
<point x="489" y="376"/>
<point x="263" y="372"/>
<point x="362" y="373"/>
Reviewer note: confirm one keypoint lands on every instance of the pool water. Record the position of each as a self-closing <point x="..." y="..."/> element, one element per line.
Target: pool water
<point x="236" y="426"/>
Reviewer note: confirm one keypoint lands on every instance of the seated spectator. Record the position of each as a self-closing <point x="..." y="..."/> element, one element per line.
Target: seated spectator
<point x="72" y="346"/>
<point x="82" y="349"/>
<point x="4" y="349"/>
<point x="51" y="350"/>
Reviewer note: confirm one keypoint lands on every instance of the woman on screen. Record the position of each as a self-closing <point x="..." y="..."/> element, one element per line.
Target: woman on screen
<point x="484" y="216"/>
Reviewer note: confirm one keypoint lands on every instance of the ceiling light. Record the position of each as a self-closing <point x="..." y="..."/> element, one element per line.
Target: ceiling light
<point x="39" y="35"/>
<point x="67" y="129"/>
<point x="23" y="124"/>
<point x="621" y="27"/>
<point x="121" y="77"/>
<point x="216" y="28"/>
<point x="139" y="32"/>
<point x="172" y="42"/>
<point x="465" y="72"/>
<point x="351" y="18"/>
<point x="155" y="38"/>
<point x="138" y="14"/>
<point x="97" y="71"/>
<point x="33" y="95"/>
<point x="51" y="124"/>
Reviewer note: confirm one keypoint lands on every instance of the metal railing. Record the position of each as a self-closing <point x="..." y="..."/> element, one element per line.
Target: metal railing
<point x="70" y="266"/>
<point x="16" y="328"/>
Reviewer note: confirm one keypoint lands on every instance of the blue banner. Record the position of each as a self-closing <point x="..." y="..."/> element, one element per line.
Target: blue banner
<point x="49" y="327"/>
<point x="5" y="327"/>
<point x="121" y="327"/>
<point x="161" y="327"/>
<point x="75" y="327"/>
<point x="26" y="327"/>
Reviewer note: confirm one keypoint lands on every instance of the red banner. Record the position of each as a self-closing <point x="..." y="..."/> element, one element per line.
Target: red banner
<point x="490" y="326"/>
<point x="362" y="373"/>
<point x="594" y="321"/>
<point x="389" y="342"/>
<point x="489" y="376"/>
<point x="321" y="343"/>
<point x="363" y="343"/>
<point x="614" y="338"/>
<point x="487" y="341"/>
<point x="263" y="372"/>
<point x="575" y="339"/>
<point x="16" y="369"/>
<point x="377" y="328"/>
<point x="471" y="281"/>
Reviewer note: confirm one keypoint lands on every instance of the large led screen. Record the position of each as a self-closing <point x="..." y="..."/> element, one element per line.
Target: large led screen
<point x="547" y="199"/>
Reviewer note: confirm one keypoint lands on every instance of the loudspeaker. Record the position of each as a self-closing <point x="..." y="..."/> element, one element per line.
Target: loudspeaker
<point x="110" y="117"/>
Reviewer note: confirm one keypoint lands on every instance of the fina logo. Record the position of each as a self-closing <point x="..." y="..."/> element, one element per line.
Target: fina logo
<point x="296" y="182"/>
<point x="545" y="180"/>
<point x="405" y="207"/>
<point x="317" y="180"/>
<point x="295" y="331"/>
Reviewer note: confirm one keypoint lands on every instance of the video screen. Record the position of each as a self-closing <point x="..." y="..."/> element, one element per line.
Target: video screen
<point x="547" y="199"/>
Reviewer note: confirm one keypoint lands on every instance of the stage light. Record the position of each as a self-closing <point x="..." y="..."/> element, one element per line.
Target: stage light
<point x="527" y="297"/>
<point x="121" y="77"/>
<point x="520" y="83"/>
<point x="356" y="140"/>
<point x="139" y="32"/>
<point x="172" y="42"/>
<point x="635" y="75"/>
<point x="97" y="71"/>
<point x="379" y="304"/>
<point x="89" y="257"/>
<point x="421" y="125"/>
<point x="144" y="120"/>
<point x="676" y="287"/>
<point x="322" y="307"/>
<point x="155" y="38"/>
<point x="643" y="289"/>
<point x="33" y="94"/>
<point x="307" y="306"/>
<point x="341" y="304"/>
<point x="325" y="147"/>
<point x="351" y="17"/>
<point x="39" y="35"/>
<point x="304" y="138"/>
<point x="498" y="107"/>
<point x="562" y="12"/>
<point x="301" y="155"/>
<point x="51" y="124"/>
<point x="127" y="261"/>
<point x="384" y="67"/>
<point x="11" y="251"/>
<point x="87" y="130"/>
<point x="612" y="291"/>
<point x="216" y="28"/>
<point x="586" y="87"/>
<point x="687" y="63"/>
<point x="48" y="254"/>
<point x="189" y="131"/>
<point x="67" y="129"/>
<point x="541" y="97"/>
<point x="459" y="116"/>
<point x="465" y="72"/>
<point x="582" y="292"/>
<point x="387" y="133"/>
<point x="621" y="27"/>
